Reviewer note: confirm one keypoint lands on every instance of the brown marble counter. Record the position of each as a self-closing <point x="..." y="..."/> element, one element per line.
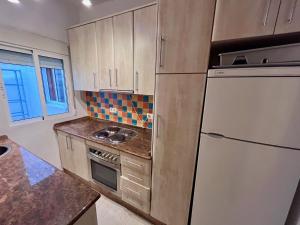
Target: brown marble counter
<point x="85" y="127"/>
<point x="33" y="192"/>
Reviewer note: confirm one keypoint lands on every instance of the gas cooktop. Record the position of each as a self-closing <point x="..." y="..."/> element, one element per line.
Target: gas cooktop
<point x="114" y="134"/>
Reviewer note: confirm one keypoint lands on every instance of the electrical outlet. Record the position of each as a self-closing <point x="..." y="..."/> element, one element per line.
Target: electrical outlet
<point x="113" y="110"/>
<point x="149" y="116"/>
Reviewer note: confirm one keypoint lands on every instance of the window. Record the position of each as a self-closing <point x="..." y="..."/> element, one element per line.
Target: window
<point x="21" y="85"/>
<point x="54" y="85"/>
<point x="24" y="83"/>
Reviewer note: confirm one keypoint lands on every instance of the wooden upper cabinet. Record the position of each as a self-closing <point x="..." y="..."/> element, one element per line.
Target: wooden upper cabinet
<point x="123" y="48"/>
<point x="105" y="49"/>
<point x="289" y="17"/>
<point x="145" y="28"/>
<point x="83" y="48"/>
<point x="235" y="19"/>
<point x="184" y="35"/>
<point x="175" y="144"/>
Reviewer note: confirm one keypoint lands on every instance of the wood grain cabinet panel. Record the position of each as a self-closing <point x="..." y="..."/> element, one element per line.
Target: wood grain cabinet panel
<point x="184" y="35"/>
<point x="289" y="17"/>
<point x="145" y="31"/>
<point x="123" y="46"/>
<point x="83" y="49"/>
<point x="235" y="19"/>
<point x="178" y="105"/>
<point x="73" y="154"/>
<point x="105" y="50"/>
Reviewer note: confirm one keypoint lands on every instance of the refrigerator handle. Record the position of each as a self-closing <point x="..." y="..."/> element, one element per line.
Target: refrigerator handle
<point x="215" y="135"/>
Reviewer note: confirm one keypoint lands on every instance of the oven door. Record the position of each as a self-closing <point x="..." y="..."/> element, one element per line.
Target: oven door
<point x="106" y="174"/>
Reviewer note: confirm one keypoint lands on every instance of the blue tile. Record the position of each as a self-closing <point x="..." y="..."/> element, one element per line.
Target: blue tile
<point x="106" y="101"/>
<point x="134" y="122"/>
<point x="129" y="115"/>
<point x="120" y="119"/>
<point x="145" y="98"/>
<point x="139" y="111"/>
<point x="134" y="103"/>
<point x="102" y="94"/>
<point x="150" y="125"/>
<point x="107" y="117"/>
<point x="129" y="97"/>
<point x="88" y="103"/>
<point x="92" y="109"/>
<point x="90" y="93"/>
<point x="144" y="117"/>
<point x="95" y="99"/>
<point x="111" y="106"/>
<point x="99" y="104"/>
<point x="96" y="114"/>
<point x="114" y="95"/>
<point x="124" y="108"/>
<point x="120" y="102"/>
<point x="150" y="105"/>
<point x="103" y="111"/>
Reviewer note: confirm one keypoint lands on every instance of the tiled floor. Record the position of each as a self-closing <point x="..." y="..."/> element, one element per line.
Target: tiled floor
<point x="111" y="213"/>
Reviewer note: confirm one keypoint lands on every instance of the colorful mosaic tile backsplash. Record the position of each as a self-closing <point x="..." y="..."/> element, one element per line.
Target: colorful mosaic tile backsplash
<point x="131" y="109"/>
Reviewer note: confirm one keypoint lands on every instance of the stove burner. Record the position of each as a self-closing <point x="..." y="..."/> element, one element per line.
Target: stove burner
<point x="117" y="138"/>
<point x="102" y="134"/>
<point x="113" y="129"/>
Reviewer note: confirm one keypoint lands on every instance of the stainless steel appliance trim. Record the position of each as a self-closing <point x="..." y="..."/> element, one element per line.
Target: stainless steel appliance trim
<point x="104" y="162"/>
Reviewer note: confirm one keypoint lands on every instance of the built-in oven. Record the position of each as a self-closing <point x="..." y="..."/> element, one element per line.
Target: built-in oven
<point x="105" y="169"/>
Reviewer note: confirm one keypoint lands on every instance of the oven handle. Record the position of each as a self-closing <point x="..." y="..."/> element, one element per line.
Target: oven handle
<point x="103" y="162"/>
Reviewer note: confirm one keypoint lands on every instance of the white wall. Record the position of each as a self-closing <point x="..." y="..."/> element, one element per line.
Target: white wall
<point x="44" y="17"/>
<point x="110" y="7"/>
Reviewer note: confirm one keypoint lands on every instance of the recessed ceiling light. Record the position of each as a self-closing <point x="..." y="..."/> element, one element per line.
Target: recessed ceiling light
<point x="87" y="3"/>
<point x="14" y="1"/>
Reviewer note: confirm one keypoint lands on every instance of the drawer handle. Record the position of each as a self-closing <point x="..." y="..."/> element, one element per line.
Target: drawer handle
<point x="130" y="175"/>
<point x="134" y="192"/>
<point x="134" y="164"/>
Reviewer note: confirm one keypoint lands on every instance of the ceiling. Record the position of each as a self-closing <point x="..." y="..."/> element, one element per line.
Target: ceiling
<point x="94" y="2"/>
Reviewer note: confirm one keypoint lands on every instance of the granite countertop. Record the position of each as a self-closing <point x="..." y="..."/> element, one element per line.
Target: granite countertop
<point x="85" y="127"/>
<point x="33" y="192"/>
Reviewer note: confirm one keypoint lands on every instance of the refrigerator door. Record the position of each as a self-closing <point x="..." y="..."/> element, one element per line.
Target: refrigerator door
<point x="241" y="183"/>
<point x="259" y="109"/>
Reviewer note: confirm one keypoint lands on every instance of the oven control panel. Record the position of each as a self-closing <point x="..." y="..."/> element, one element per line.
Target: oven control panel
<point x="104" y="155"/>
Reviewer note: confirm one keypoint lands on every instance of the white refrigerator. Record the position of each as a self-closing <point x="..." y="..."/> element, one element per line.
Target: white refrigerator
<point x="248" y="165"/>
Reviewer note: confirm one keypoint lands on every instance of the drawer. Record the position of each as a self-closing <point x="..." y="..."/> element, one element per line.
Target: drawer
<point x="135" y="194"/>
<point x="136" y="164"/>
<point x="142" y="179"/>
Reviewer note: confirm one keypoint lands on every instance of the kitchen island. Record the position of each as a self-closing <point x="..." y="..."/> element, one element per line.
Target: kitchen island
<point x="33" y="192"/>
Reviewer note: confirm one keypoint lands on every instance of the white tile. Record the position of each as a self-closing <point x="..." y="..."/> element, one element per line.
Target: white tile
<point x="111" y="213"/>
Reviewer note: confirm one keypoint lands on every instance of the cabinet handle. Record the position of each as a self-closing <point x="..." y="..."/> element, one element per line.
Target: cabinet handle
<point x="109" y="73"/>
<point x="94" y="74"/>
<point x="161" y="53"/>
<point x="157" y="125"/>
<point x="137" y="81"/>
<point x="292" y="12"/>
<point x="134" y="164"/>
<point x="267" y="13"/>
<point x="67" y="140"/>
<point x="116" y="77"/>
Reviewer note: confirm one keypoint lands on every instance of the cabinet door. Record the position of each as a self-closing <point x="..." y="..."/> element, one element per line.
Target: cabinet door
<point x="145" y="23"/>
<point x="79" y="157"/>
<point x="123" y="45"/>
<point x="65" y="151"/>
<point x="250" y="18"/>
<point x="185" y="35"/>
<point x="105" y="49"/>
<point x="179" y="100"/>
<point x="84" y="57"/>
<point x="289" y="17"/>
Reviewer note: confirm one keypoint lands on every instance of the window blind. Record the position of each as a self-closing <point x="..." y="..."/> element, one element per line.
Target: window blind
<point x="10" y="57"/>
<point x="47" y="62"/>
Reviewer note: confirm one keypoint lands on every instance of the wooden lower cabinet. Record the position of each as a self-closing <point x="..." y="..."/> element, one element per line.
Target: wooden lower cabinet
<point x="73" y="154"/>
<point x="135" y="182"/>
<point x="178" y="105"/>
